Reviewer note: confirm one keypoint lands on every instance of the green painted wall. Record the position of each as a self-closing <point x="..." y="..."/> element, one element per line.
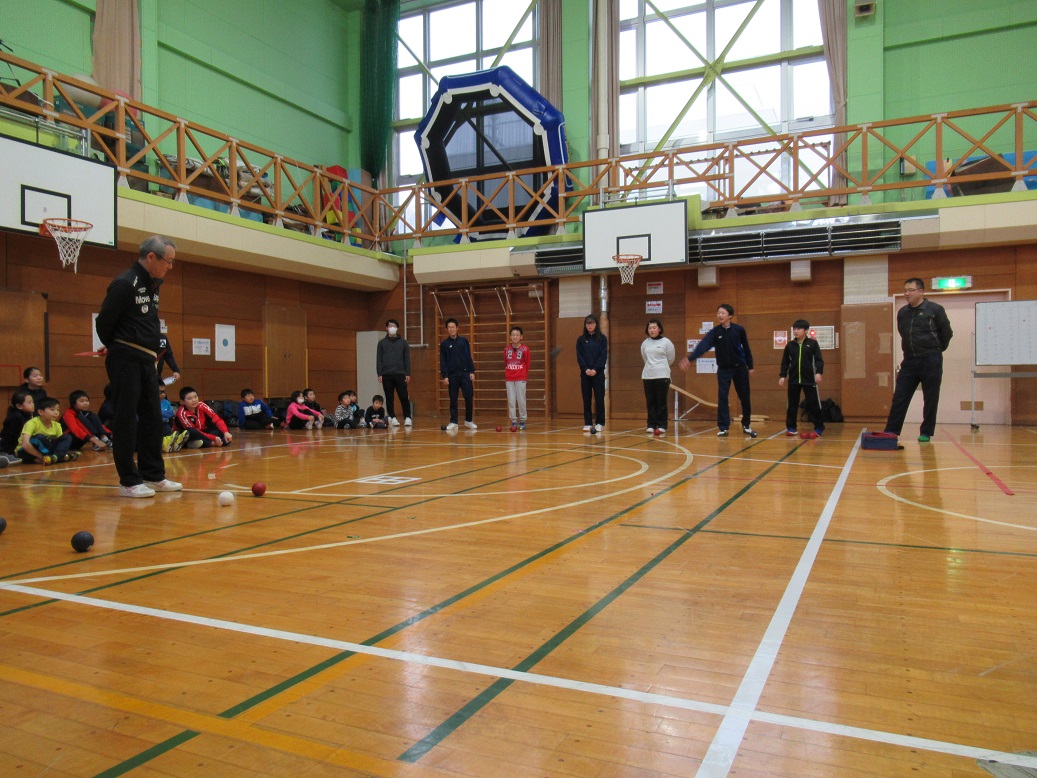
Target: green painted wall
<point x="919" y="57"/>
<point x="576" y="70"/>
<point x="280" y="75"/>
<point x="925" y="56"/>
<point x="55" y="33"/>
<point x="265" y="71"/>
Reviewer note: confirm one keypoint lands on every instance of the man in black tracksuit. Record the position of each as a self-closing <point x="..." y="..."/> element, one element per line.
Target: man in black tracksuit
<point x="802" y="364"/>
<point x="457" y="369"/>
<point x="925" y="333"/>
<point x="734" y="365"/>
<point x="128" y="326"/>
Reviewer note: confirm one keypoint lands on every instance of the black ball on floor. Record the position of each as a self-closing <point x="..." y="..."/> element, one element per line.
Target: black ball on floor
<point x="442" y="427"/>
<point x="82" y="541"/>
<point x="3" y="525"/>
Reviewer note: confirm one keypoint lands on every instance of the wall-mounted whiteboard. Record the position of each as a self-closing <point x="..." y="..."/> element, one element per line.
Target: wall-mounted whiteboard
<point x="1006" y="333"/>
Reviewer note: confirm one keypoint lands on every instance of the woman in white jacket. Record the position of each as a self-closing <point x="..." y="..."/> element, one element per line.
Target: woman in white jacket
<point x="658" y="354"/>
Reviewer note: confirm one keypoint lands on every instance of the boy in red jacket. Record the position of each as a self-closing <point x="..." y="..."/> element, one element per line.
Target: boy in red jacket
<point x="516" y="373"/>
<point x="83" y="424"/>
<point x="202" y="424"/>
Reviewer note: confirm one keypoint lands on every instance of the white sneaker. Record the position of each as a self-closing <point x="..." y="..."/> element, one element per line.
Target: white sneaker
<point x="407" y="422"/>
<point x="587" y="428"/>
<point x="650" y="430"/>
<point x="599" y="427"/>
<point x="471" y="425"/>
<point x="309" y="424"/>
<point x="451" y="426"/>
<point x="140" y="490"/>
<point x="164" y="486"/>
<point x="394" y="422"/>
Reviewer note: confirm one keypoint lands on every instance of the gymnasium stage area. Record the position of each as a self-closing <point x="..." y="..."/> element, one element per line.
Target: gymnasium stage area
<point x="547" y="603"/>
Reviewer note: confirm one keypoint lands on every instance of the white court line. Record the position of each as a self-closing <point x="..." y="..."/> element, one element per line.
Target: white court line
<point x="881" y="486"/>
<point x="860" y="733"/>
<point x="729" y="735"/>
<point x="499" y="449"/>
<point x="688" y="459"/>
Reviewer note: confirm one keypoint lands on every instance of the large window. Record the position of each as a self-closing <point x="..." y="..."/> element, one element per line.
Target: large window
<point x="448" y="39"/>
<point x="772" y="74"/>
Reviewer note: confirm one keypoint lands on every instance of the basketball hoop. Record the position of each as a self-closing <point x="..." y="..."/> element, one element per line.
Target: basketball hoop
<point x="627" y="266"/>
<point x="69" y="234"/>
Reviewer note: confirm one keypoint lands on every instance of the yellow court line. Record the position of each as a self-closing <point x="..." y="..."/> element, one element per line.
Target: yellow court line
<point x="213" y="725"/>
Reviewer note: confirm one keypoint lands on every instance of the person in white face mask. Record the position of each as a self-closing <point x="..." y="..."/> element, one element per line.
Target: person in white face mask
<point x="393" y="367"/>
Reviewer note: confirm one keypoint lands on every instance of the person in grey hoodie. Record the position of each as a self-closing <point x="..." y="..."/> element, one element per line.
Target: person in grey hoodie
<point x="393" y="365"/>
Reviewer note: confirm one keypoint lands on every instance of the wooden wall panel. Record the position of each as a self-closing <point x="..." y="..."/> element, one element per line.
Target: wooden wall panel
<point x="765" y="300"/>
<point x="627" y="322"/>
<point x="196" y="297"/>
<point x="991" y="268"/>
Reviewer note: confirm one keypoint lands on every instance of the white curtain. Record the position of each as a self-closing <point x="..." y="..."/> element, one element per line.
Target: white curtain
<point x="833" y="35"/>
<point x="117" y="46"/>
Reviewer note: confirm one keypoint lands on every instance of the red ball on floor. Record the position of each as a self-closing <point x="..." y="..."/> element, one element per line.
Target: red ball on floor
<point x="259" y="489"/>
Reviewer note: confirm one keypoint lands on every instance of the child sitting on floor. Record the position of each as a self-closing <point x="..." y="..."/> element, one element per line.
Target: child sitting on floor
<point x="375" y="416"/>
<point x="43" y="440"/>
<point x="348" y="415"/>
<point x="22" y="409"/>
<point x="310" y="401"/>
<point x="203" y="425"/>
<point x="83" y="424"/>
<point x="254" y="414"/>
<point x="300" y="416"/>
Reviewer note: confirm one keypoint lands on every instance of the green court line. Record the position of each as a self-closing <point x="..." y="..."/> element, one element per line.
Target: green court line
<point x="178" y="740"/>
<point x="172" y="743"/>
<point x="444" y="730"/>
<point x="199" y="533"/>
<point x="876" y="543"/>
<point x="145" y="756"/>
<point x="345" y="502"/>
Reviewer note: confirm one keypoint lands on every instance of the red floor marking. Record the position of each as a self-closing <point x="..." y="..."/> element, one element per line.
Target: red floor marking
<point x="984" y="468"/>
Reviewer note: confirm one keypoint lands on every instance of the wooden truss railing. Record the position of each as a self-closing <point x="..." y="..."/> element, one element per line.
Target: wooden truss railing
<point x="158" y="151"/>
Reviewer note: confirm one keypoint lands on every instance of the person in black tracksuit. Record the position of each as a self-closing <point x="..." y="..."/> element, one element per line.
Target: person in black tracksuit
<point x="925" y="333"/>
<point x="167" y="357"/>
<point x="734" y="365"/>
<point x="128" y="326"/>
<point x="592" y="354"/>
<point x="457" y="370"/>
<point x="802" y="365"/>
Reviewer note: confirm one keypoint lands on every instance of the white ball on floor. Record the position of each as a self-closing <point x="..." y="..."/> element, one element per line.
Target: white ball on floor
<point x="225" y="498"/>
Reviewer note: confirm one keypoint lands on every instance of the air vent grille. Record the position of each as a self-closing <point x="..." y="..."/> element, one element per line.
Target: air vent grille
<point x="747" y="245"/>
<point x="826" y="240"/>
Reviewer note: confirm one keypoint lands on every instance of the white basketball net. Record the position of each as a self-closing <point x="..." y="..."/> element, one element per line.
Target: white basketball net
<point x="69" y="234"/>
<point x="627" y="267"/>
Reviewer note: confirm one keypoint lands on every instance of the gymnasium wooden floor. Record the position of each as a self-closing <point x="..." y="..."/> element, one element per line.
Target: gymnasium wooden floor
<point x="420" y="603"/>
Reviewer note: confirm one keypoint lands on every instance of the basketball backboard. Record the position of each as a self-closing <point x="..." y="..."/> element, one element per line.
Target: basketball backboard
<point x="656" y="231"/>
<point x="40" y="183"/>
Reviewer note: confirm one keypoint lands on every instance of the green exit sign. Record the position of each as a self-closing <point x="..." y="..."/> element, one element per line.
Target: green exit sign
<point x="951" y="283"/>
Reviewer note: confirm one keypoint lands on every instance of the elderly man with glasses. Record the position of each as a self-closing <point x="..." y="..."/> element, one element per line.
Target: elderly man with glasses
<point x="128" y="326"/>
<point x="925" y="333"/>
